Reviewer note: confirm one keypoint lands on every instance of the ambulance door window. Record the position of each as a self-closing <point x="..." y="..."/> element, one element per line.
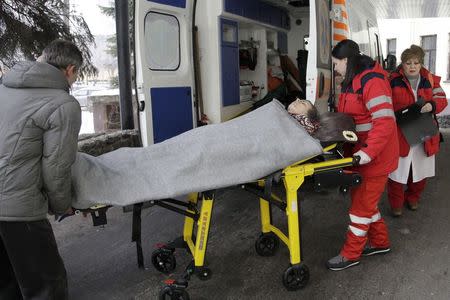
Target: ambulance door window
<point x="162" y="40"/>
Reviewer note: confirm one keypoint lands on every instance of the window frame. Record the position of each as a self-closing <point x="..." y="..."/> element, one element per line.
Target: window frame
<point x="429" y="51"/>
<point x="388" y="41"/>
<point x="448" y="59"/>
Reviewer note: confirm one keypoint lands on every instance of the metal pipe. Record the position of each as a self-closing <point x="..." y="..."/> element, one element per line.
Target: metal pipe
<point x="123" y="60"/>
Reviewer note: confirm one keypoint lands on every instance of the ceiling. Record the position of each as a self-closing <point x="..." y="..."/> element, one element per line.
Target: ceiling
<point x="391" y="9"/>
<point x="403" y="9"/>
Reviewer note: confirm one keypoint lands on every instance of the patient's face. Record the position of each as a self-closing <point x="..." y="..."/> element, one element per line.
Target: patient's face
<point x="300" y="107"/>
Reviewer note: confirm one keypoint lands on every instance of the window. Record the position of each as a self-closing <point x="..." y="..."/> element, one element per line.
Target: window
<point x="229" y="33"/>
<point x="162" y="40"/>
<point x="429" y="47"/>
<point x="392" y="47"/>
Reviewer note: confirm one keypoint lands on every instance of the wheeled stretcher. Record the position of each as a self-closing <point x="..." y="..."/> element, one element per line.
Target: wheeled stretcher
<point x="242" y="150"/>
<point x="324" y="171"/>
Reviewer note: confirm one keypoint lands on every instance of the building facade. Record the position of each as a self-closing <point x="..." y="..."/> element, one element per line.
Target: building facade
<point x="432" y="34"/>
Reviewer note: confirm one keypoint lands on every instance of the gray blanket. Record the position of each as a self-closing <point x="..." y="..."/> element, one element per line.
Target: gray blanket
<point x="214" y="156"/>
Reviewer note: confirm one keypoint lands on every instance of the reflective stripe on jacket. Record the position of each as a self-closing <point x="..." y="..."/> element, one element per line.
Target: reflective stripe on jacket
<point x="429" y="90"/>
<point x="368" y="101"/>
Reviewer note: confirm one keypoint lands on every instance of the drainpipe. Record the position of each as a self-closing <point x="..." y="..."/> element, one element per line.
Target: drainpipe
<point x="123" y="60"/>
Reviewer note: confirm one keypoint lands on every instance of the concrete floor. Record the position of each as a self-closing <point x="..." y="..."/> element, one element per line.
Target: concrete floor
<point x="101" y="262"/>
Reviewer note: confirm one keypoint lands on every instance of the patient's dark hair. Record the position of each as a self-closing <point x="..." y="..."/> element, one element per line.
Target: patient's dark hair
<point x="332" y="125"/>
<point x="313" y="114"/>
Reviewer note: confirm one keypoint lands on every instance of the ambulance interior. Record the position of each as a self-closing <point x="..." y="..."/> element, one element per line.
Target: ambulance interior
<point x="282" y="49"/>
<point x="273" y="52"/>
<point x="263" y="53"/>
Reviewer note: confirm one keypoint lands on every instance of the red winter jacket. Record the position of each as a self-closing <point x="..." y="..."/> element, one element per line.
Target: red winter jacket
<point x="368" y="101"/>
<point x="403" y="96"/>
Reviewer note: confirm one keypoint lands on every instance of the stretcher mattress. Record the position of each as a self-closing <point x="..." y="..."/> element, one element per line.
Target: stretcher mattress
<point x="214" y="156"/>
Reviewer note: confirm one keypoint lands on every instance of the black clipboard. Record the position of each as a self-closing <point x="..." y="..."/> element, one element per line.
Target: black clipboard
<point x="417" y="127"/>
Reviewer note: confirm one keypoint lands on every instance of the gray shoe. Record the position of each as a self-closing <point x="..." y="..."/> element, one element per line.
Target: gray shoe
<point x="339" y="262"/>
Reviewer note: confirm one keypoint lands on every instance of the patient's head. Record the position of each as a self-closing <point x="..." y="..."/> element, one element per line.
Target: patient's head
<point x="304" y="108"/>
<point x="305" y="113"/>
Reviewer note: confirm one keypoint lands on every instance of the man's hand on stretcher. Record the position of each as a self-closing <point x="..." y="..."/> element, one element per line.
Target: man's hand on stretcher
<point x="71" y="212"/>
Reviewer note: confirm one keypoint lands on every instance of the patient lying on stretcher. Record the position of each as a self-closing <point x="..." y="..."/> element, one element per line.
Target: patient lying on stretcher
<point x="327" y="127"/>
<point x="210" y="157"/>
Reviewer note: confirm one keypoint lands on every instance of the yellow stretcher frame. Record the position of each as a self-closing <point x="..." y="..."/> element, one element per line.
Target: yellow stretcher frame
<point x="293" y="177"/>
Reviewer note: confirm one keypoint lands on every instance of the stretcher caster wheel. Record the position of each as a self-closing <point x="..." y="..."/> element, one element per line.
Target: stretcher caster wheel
<point x="204" y="273"/>
<point x="344" y="189"/>
<point x="163" y="260"/>
<point x="296" y="277"/>
<point x="172" y="293"/>
<point x="267" y="244"/>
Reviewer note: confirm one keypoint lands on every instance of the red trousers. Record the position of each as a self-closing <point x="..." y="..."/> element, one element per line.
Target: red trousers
<point x="397" y="196"/>
<point x="366" y="223"/>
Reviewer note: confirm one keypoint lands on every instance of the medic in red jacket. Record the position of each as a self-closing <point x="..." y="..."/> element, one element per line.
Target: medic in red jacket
<point x="411" y="84"/>
<point x="366" y="96"/>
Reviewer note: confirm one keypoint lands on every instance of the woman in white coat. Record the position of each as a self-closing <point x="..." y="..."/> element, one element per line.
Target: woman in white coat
<point x="412" y="84"/>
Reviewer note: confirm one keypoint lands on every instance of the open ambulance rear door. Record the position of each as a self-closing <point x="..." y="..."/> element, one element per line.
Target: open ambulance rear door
<point x="164" y="68"/>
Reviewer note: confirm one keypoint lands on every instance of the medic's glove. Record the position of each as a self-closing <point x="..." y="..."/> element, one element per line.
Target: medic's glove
<point x="364" y="158"/>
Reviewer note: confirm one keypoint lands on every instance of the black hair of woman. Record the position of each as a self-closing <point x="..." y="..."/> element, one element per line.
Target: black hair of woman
<point x="356" y="61"/>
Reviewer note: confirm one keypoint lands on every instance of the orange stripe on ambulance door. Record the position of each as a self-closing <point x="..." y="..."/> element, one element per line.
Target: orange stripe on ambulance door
<point x="339" y="37"/>
<point x="339" y="25"/>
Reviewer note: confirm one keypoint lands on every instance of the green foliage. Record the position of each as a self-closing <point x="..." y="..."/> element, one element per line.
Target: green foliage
<point x="114" y="82"/>
<point x="108" y="10"/>
<point x="112" y="46"/>
<point x="27" y="27"/>
<point x="111" y="12"/>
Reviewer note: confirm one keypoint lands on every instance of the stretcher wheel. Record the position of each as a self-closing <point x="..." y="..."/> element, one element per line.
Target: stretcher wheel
<point x="267" y="244"/>
<point x="204" y="273"/>
<point x="344" y="189"/>
<point x="163" y="260"/>
<point x="172" y="293"/>
<point x="190" y="268"/>
<point x="296" y="277"/>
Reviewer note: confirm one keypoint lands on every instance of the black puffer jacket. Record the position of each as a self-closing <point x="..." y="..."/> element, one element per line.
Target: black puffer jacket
<point x="39" y="125"/>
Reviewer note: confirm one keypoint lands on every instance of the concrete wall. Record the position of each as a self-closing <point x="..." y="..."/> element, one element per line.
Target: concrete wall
<point x="100" y="143"/>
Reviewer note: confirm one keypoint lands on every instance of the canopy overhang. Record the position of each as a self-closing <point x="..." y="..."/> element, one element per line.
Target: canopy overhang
<point x="388" y="9"/>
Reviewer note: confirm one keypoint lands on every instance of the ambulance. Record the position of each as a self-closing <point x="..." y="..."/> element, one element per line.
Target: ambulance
<point x="212" y="60"/>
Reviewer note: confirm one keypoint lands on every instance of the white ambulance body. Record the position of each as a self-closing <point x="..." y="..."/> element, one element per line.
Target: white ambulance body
<point x="188" y="61"/>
